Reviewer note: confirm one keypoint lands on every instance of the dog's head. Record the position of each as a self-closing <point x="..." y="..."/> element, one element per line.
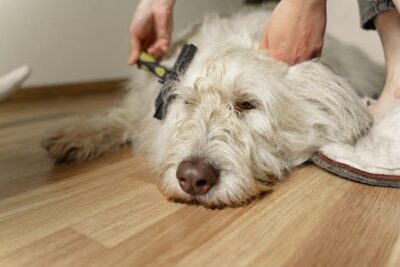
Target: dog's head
<point x="240" y="120"/>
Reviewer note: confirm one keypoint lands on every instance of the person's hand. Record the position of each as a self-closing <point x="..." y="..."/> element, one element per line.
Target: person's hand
<point x="151" y="28"/>
<point x="295" y="31"/>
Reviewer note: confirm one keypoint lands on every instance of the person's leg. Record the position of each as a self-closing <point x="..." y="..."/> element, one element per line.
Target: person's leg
<point x="388" y="26"/>
<point x="375" y="158"/>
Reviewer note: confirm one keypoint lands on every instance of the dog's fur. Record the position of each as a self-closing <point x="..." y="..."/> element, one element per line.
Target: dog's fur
<point x="296" y="110"/>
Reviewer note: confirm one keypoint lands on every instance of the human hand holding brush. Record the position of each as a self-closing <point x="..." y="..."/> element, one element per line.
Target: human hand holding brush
<point x="151" y="28"/>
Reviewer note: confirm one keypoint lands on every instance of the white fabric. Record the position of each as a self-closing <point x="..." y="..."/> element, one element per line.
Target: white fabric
<point x="10" y="82"/>
<point x="378" y="152"/>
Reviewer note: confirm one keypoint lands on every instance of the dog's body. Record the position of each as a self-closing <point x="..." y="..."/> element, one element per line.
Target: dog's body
<point x="238" y="113"/>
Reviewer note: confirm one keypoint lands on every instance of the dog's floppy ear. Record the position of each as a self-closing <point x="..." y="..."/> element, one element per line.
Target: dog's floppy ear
<point x="315" y="81"/>
<point x="333" y="103"/>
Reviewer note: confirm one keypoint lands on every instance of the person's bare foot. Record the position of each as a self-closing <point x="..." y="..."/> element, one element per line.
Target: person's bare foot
<point x="390" y="96"/>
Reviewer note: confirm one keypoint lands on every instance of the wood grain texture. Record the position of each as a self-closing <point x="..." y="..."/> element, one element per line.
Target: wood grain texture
<point x="109" y="212"/>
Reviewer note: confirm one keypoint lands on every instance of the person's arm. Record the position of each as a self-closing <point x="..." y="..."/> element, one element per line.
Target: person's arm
<point x="295" y="31"/>
<point x="151" y="28"/>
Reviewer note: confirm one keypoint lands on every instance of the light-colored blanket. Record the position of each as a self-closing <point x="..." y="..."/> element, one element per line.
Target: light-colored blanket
<point x="374" y="159"/>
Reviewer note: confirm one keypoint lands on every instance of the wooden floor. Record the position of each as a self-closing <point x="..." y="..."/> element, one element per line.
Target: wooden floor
<point x="109" y="212"/>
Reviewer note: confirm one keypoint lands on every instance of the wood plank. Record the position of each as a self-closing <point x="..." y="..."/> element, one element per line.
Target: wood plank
<point x="172" y="238"/>
<point x="58" y="249"/>
<point x="114" y="225"/>
<point x="38" y="93"/>
<point x="276" y="226"/>
<point x="360" y="230"/>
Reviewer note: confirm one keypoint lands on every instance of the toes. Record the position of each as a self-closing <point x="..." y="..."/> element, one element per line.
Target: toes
<point x="68" y="156"/>
<point x="62" y="149"/>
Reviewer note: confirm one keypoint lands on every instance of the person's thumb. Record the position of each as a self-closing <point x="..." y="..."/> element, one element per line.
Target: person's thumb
<point x="135" y="49"/>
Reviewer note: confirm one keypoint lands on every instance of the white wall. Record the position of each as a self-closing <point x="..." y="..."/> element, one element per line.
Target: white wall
<point x="83" y="40"/>
<point x="78" y="40"/>
<point x="344" y="23"/>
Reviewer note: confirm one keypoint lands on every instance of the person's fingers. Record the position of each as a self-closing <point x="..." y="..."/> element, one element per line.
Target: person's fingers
<point x="283" y="55"/>
<point x="315" y="54"/>
<point x="264" y="40"/>
<point x="287" y="59"/>
<point x="163" y="25"/>
<point x="160" y="48"/>
<point x="305" y="56"/>
<point x="135" y="49"/>
<point x="264" y="43"/>
<point x="155" y="53"/>
<point x="278" y="52"/>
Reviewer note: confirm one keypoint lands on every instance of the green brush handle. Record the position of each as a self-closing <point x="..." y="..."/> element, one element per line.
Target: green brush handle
<point x="147" y="62"/>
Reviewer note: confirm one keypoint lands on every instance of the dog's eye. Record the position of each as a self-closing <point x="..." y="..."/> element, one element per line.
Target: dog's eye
<point x="244" y="105"/>
<point x="189" y="101"/>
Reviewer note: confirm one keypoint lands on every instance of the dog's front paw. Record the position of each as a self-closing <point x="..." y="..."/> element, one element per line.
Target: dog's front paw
<point x="70" y="145"/>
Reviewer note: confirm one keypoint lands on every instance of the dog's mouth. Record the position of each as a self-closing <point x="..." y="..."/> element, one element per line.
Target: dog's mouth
<point x="216" y="203"/>
<point x="202" y="181"/>
<point x="215" y="200"/>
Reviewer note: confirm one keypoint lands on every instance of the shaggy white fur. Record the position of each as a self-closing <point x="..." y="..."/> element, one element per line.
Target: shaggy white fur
<point x="293" y="111"/>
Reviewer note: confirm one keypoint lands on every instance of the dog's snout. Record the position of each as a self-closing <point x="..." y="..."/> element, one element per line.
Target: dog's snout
<point x="196" y="176"/>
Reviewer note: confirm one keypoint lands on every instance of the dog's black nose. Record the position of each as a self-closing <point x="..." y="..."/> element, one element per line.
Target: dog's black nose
<point x="196" y="176"/>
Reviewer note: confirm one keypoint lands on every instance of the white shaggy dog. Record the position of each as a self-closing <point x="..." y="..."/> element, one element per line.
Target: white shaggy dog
<point x="240" y="119"/>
